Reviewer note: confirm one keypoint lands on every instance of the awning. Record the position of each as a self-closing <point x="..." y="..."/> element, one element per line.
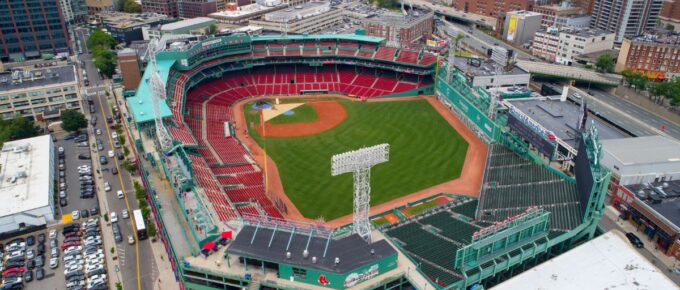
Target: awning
<point x="209" y="246"/>
<point x="227" y="235"/>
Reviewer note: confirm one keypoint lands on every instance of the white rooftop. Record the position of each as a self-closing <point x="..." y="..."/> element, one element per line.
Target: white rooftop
<point x="186" y="23"/>
<point x="606" y="262"/>
<point x="643" y="150"/>
<point x="242" y="11"/>
<point x="24" y="176"/>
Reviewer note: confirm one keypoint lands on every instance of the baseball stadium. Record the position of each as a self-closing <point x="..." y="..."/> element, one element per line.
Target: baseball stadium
<point x="275" y="147"/>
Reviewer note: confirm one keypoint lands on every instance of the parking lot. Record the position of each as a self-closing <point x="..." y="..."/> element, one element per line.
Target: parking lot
<point x="71" y="162"/>
<point x="41" y="252"/>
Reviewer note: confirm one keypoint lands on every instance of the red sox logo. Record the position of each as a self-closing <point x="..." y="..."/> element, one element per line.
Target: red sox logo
<point x="323" y="280"/>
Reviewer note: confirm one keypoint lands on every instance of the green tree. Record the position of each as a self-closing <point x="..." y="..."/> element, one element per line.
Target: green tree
<point x="129" y="166"/>
<point x="17" y="128"/>
<point x="131" y="6"/>
<point x="151" y="229"/>
<point x="119" y="286"/>
<point x="605" y="63"/>
<point x="211" y="30"/>
<point x="100" y="38"/>
<point x="72" y="120"/>
<point x="670" y="27"/>
<point x="104" y="60"/>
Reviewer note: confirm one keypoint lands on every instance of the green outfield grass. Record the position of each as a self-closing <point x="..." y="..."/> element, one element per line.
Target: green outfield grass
<point x="301" y="114"/>
<point x="425" y="151"/>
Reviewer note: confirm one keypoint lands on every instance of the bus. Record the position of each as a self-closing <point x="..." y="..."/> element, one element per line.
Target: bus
<point x="139" y="224"/>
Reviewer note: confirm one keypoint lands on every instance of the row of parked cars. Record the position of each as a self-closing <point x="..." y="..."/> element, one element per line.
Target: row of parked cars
<point x="20" y="259"/>
<point x="84" y="258"/>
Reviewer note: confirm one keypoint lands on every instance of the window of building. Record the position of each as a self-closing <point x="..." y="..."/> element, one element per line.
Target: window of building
<point x="299" y="273"/>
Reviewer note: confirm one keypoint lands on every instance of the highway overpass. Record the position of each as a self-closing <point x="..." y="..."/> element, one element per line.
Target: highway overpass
<point x="567" y="72"/>
<point x="453" y="13"/>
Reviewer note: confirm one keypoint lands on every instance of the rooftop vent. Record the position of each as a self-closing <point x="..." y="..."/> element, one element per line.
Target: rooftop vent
<point x="313" y="260"/>
<point x="337" y="260"/>
<point x="305" y="254"/>
<point x="287" y="255"/>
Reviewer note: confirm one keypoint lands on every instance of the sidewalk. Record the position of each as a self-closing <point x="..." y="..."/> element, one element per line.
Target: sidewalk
<point x="166" y="277"/>
<point x="625" y="226"/>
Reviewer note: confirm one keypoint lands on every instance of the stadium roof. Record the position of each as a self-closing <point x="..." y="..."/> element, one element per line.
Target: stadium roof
<point x="355" y="37"/>
<point x="561" y="118"/>
<point x="352" y="251"/>
<point x="141" y="104"/>
<point x="657" y="149"/>
<point x="187" y="23"/>
<point x="606" y="262"/>
<point x="25" y="181"/>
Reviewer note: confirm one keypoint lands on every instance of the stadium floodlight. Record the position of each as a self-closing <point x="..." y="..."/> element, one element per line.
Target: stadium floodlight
<point x="359" y="162"/>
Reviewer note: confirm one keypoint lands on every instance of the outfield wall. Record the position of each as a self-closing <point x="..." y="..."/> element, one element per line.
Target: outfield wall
<point x="462" y="104"/>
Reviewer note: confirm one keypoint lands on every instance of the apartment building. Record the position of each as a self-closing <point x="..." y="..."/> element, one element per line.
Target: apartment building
<point x="656" y="55"/>
<point x="626" y="18"/>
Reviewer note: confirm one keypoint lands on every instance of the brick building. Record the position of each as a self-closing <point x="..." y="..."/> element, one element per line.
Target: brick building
<point x="670" y="13"/>
<point x="562" y="15"/>
<point x="656" y="55"/>
<point x="399" y="30"/>
<point x="165" y="7"/>
<point x="128" y="61"/>
<point x="494" y="8"/>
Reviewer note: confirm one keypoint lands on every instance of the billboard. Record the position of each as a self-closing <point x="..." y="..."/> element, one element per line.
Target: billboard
<point x="529" y="135"/>
<point x="512" y="28"/>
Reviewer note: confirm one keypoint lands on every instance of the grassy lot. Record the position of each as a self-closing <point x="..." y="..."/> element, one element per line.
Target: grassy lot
<point x="301" y="114"/>
<point x="424" y="151"/>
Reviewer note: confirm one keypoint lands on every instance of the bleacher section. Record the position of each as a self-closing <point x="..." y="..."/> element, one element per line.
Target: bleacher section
<point x="432" y="238"/>
<point x="513" y="184"/>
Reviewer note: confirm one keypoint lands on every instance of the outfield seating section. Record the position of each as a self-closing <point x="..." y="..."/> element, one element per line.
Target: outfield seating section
<point x="513" y="184"/>
<point x="225" y="169"/>
<point x="432" y="238"/>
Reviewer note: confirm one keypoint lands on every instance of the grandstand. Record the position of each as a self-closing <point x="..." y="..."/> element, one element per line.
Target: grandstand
<point x="527" y="211"/>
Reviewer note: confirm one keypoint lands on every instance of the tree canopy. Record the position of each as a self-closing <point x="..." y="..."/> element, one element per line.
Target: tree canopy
<point x="100" y="38"/>
<point x="104" y="60"/>
<point x="131" y="6"/>
<point x="17" y="128"/>
<point x="72" y="120"/>
<point x="605" y="63"/>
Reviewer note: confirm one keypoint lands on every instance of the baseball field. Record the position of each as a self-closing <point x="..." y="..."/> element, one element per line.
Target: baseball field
<point x="424" y="149"/>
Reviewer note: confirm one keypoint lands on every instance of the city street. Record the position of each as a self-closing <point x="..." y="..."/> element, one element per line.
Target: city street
<point x="135" y="267"/>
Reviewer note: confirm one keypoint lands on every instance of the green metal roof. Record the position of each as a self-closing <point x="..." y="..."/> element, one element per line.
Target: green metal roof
<point x="354" y="37"/>
<point x="141" y="105"/>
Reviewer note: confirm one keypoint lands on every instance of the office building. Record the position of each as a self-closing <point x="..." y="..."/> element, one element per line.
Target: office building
<point x="27" y="183"/>
<point x="195" y="8"/>
<point x="38" y="93"/>
<point x="310" y="17"/>
<point x="127" y="27"/>
<point x="562" y="15"/>
<point x="400" y="30"/>
<point x="521" y="25"/>
<point x="165" y="7"/>
<point x="74" y="11"/>
<point x="493" y="8"/>
<point x="655" y="55"/>
<point x="626" y="18"/>
<point x="546" y="44"/>
<point x="574" y="42"/>
<point x="488" y="74"/>
<point x="30" y="33"/>
<point x="98" y="6"/>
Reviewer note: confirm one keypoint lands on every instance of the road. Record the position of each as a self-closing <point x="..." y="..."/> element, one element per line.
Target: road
<point x="136" y="263"/>
<point x="480" y="39"/>
<point x="453" y="12"/>
<point x="638" y="113"/>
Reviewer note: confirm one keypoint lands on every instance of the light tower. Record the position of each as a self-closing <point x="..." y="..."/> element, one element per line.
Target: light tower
<point x="158" y="89"/>
<point x="359" y="162"/>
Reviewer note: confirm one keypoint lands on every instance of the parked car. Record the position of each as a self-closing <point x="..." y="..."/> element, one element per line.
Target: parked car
<point x="634" y="240"/>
